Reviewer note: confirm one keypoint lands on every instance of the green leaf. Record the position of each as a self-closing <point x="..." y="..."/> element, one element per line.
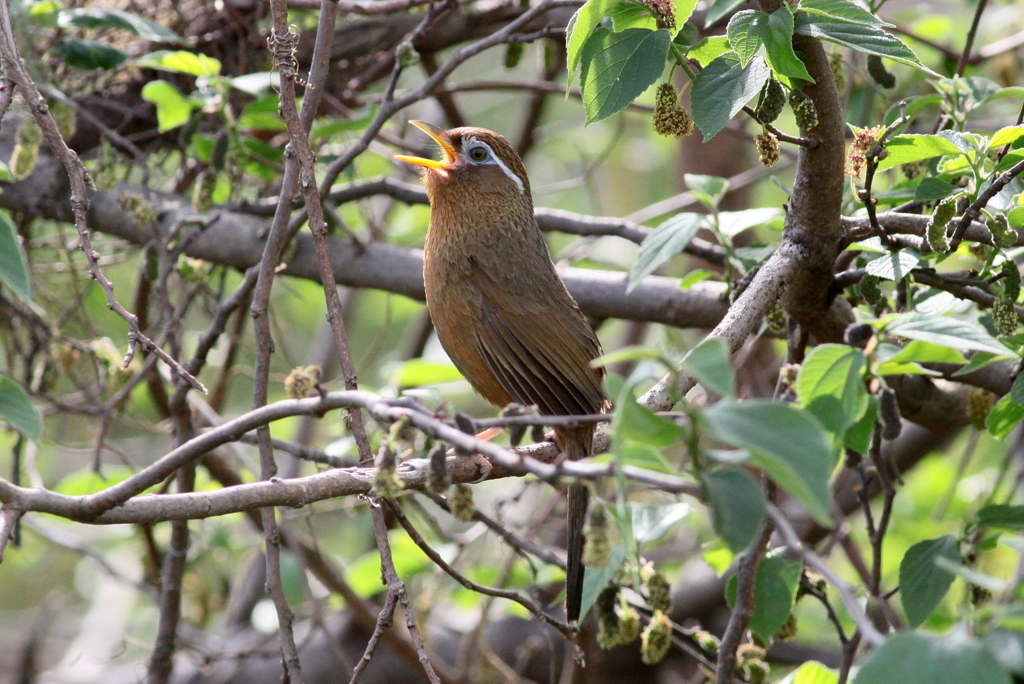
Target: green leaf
<point x="88" y="481"/>
<point x="998" y="515"/>
<point x="719" y="9"/>
<point x="682" y="10"/>
<point x="871" y="40"/>
<point x="1005" y="416"/>
<point x="263" y="114"/>
<point x="932" y="189"/>
<point x="667" y="240"/>
<point x="710" y="362"/>
<point x="580" y="26"/>
<point x="923" y="584"/>
<point x="419" y="372"/>
<point x="1008" y="647"/>
<point x="774" y="592"/>
<point x="618" y="67"/>
<point x="831" y="386"/>
<point x="913" y="658"/>
<point x="13" y="265"/>
<point x="708" y="190"/>
<point x="785" y="441"/>
<point x="708" y="49"/>
<point x="946" y="331"/>
<point x="180" y="62"/>
<point x="722" y="88"/>
<point x="979" y="361"/>
<point x="737" y="504"/>
<point x="172" y="108"/>
<point x="257" y="83"/>
<point x="16" y="410"/>
<point x="631" y="14"/>
<point x="858" y="435"/>
<point x="637" y="423"/>
<point x="842" y="10"/>
<point x="747" y="31"/>
<point x="914" y="147"/>
<point x="926" y="352"/>
<point x="596" y="579"/>
<point x="364" y="573"/>
<point x="1017" y="389"/>
<point x="812" y="672"/>
<point x="695" y="276"/>
<point x="1005" y="136"/>
<point x="779" y="45"/>
<point x="732" y="223"/>
<point x="88" y="55"/>
<point x="96" y="17"/>
<point x="894" y="265"/>
<point x="650" y="523"/>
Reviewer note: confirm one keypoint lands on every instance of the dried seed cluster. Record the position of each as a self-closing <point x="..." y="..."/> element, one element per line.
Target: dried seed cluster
<point x="857" y="156"/>
<point x="768" y="148"/>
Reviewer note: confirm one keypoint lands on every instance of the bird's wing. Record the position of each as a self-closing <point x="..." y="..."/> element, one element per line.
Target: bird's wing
<point x="539" y="348"/>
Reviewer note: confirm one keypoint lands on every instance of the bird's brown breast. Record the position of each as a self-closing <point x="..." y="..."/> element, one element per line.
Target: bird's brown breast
<point x="503" y="315"/>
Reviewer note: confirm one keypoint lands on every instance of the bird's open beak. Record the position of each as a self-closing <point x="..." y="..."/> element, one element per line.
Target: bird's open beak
<point x="441" y="138"/>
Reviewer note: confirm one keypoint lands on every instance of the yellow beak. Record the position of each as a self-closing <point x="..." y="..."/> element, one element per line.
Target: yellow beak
<point x="441" y="138"/>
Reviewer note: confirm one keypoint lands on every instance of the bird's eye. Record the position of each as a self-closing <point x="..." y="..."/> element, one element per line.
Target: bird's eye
<point x="478" y="154"/>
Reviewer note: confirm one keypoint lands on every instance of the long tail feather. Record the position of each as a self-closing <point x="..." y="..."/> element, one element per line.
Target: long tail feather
<point x="577" y="515"/>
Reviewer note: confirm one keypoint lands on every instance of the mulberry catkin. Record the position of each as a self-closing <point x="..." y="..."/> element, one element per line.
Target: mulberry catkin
<point x="879" y="74"/>
<point x="803" y="109"/>
<point x="773" y="99"/>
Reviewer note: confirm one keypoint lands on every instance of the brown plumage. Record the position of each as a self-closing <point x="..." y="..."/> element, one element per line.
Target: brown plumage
<point x="499" y="308"/>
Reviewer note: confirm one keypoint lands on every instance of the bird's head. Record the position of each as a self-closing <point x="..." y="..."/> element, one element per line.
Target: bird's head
<point x="476" y="161"/>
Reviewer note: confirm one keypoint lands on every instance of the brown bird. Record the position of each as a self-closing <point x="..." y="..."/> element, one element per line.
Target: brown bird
<point x="500" y="309"/>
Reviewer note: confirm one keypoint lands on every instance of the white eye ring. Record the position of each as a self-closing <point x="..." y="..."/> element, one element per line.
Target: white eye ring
<point x="478" y="152"/>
